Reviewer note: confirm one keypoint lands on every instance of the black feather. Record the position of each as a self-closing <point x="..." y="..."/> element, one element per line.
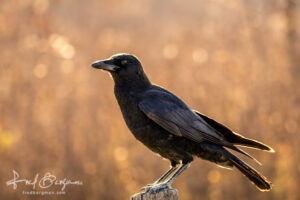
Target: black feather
<point x="233" y="137"/>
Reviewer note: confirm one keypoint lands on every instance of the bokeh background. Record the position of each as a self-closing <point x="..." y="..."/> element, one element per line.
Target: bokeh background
<point x="234" y="60"/>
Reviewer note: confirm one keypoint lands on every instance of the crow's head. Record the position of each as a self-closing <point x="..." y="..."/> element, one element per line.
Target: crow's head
<point x="126" y="70"/>
<point x="120" y="64"/>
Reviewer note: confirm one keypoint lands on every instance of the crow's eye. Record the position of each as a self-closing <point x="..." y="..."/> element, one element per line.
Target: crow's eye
<point x="124" y="62"/>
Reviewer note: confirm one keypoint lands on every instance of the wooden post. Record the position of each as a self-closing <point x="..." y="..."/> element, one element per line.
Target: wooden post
<point x="164" y="194"/>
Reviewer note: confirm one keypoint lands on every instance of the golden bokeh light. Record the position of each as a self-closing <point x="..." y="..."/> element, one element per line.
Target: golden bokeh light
<point x="214" y="176"/>
<point x="6" y="140"/>
<point x="121" y="154"/>
<point x="200" y="55"/>
<point x="170" y="51"/>
<point x="40" y="71"/>
<point x="60" y="44"/>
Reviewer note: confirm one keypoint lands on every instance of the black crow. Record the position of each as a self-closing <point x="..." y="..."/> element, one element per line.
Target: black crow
<point x="167" y="126"/>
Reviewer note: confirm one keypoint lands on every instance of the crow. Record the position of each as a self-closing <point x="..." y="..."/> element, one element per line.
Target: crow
<point x="170" y="128"/>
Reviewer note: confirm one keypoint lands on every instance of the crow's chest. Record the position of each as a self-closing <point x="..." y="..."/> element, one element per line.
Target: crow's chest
<point x="143" y="128"/>
<point x="132" y="115"/>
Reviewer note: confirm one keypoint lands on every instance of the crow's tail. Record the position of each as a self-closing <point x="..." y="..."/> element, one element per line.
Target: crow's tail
<point x="255" y="177"/>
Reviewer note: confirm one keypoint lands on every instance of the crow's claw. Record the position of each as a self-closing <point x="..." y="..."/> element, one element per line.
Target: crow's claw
<point x="147" y="187"/>
<point x="156" y="187"/>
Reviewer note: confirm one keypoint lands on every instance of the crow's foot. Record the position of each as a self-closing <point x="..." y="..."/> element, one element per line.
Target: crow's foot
<point x="156" y="187"/>
<point x="148" y="187"/>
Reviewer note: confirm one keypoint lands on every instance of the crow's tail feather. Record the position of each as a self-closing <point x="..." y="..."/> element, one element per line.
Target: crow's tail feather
<point x="240" y="140"/>
<point x="255" y="177"/>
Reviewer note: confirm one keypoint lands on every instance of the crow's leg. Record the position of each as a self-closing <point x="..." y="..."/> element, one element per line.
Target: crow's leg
<point x="174" y="166"/>
<point x="160" y="186"/>
<point x="185" y="164"/>
<point x="178" y="172"/>
<point x="168" y="183"/>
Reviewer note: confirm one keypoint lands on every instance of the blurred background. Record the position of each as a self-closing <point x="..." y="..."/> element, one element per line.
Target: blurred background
<point x="236" y="61"/>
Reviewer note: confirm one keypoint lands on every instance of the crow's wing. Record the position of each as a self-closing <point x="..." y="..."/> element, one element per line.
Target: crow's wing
<point x="233" y="137"/>
<point x="176" y="117"/>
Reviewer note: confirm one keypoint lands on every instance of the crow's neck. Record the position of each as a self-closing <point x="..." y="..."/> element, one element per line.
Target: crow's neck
<point x="129" y="84"/>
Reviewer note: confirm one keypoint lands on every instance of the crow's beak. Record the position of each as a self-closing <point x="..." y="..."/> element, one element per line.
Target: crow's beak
<point x="105" y="65"/>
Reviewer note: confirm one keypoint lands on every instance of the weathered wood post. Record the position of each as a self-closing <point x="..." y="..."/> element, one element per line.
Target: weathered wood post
<point x="164" y="194"/>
